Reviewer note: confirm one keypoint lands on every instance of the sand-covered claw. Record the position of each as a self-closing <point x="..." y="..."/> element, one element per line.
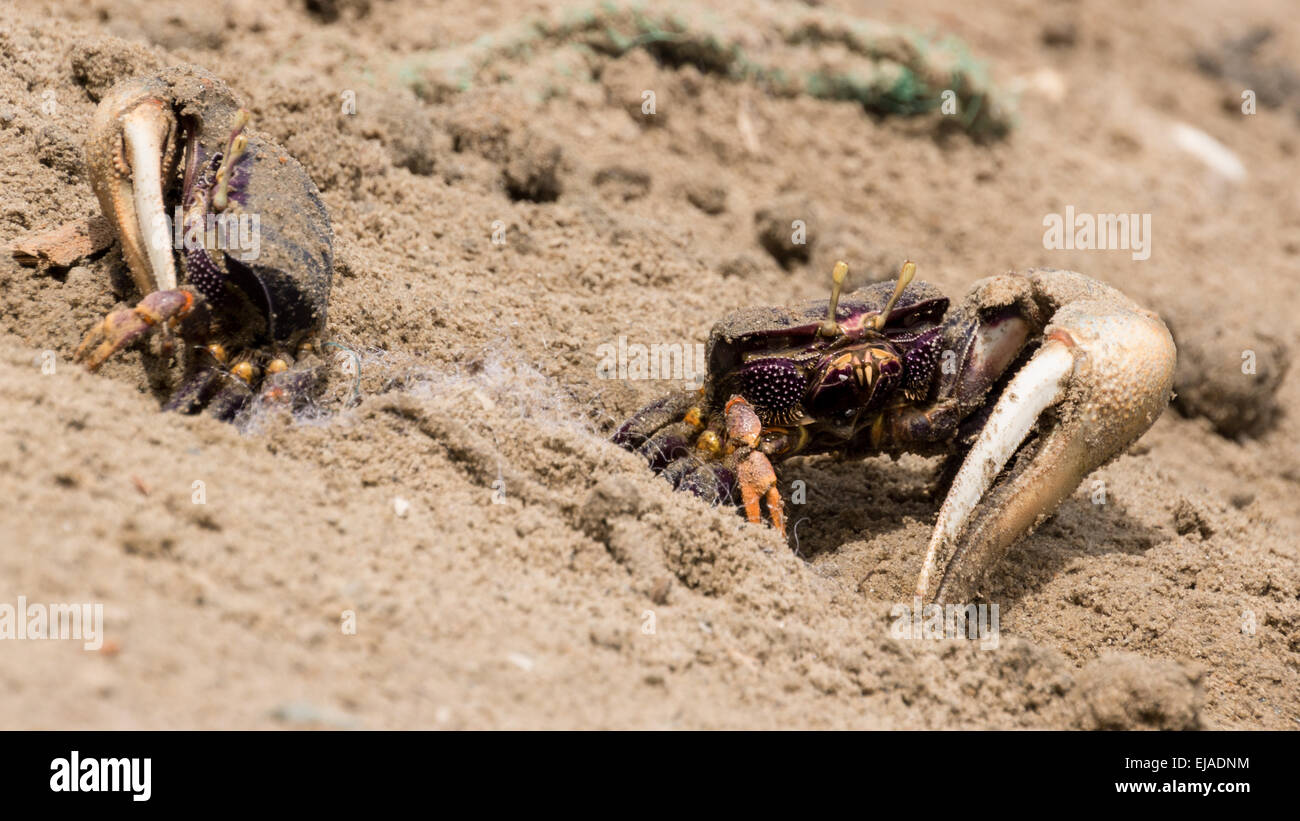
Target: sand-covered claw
<point x="1101" y="378"/>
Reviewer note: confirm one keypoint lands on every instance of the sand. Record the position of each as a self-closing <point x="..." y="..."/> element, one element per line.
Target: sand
<point x="447" y="539"/>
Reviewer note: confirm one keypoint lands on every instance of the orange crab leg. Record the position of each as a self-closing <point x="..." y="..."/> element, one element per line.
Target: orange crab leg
<point x="756" y="479"/>
<point x="754" y="473"/>
<point x="161" y="309"/>
<point x="743" y="424"/>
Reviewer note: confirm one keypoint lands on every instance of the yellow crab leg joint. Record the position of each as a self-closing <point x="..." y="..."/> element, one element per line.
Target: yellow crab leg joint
<point x="709" y="443"/>
<point x="218" y="352"/>
<point x="245" y="371"/>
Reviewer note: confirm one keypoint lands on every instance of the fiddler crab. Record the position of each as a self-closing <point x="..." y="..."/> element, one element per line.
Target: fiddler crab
<point x="253" y="234"/>
<point x="1055" y="369"/>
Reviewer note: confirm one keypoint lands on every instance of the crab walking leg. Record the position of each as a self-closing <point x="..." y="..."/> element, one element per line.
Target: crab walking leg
<point x="1109" y="370"/>
<point x="160" y="309"/>
<point x="672" y="408"/>
<point x="130" y="162"/>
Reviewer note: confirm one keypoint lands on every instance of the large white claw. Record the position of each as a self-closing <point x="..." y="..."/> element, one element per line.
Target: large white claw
<point x="1039" y="385"/>
<point x="145" y="131"/>
<point x="131" y="154"/>
<point x="1106" y="372"/>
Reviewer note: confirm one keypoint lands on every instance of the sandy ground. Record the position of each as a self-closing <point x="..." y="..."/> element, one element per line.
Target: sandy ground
<point x="542" y="578"/>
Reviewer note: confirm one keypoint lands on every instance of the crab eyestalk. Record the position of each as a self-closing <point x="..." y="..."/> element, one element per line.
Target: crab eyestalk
<point x="831" y="327"/>
<point x="905" y="277"/>
<point x="235" y="149"/>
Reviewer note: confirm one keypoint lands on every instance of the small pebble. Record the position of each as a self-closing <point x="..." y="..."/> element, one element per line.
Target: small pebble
<point x="659" y="593"/>
<point x="786" y="229"/>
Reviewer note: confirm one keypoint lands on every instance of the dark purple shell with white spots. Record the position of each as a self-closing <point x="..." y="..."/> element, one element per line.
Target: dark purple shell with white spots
<point x="776" y="358"/>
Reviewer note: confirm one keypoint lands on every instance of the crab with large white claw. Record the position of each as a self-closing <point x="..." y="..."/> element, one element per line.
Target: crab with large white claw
<point x="255" y="240"/>
<point x="1034" y="381"/>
